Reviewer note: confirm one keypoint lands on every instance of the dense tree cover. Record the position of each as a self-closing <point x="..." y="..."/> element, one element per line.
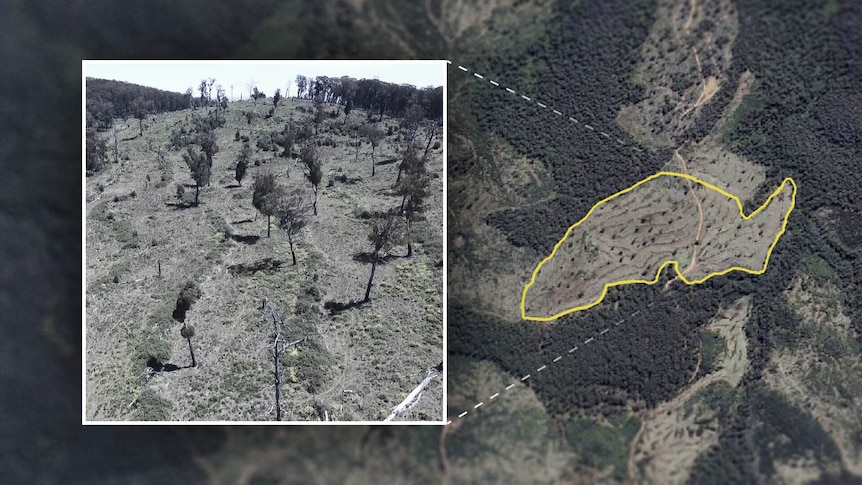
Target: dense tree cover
<point x="372" y="95"/>
<point x="108" y="99"/>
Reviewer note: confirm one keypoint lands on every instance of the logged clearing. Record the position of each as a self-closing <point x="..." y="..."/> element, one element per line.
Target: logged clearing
<point x="674" y="434"/>
<point x="629" y="237"/>
<point x="356" y="365"/>
<point x="821" y="371"/>
<point x="684" y="62"/>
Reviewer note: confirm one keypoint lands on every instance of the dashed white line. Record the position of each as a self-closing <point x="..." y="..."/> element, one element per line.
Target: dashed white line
<point x="540" y="369"/>
<point x="573" y="349"/>
<point x="494" y="396"/>
<point x="589" y="127"/>
<point x="463" y="68"/>
<point x="526" y="97"/>
<point x="557" y="112"/>
<point x="558" y="358"/>
<point x="510" y="386"/>
<point x="478" y="75"/>
<point x="495" y="83"/>
<point x="543" y="105"/>
<point x="604" y="331"/>
<point x="462" y="414"/>
<point x="477" y="405"/>
<point x="589" y="340"/>
<point x="525" y="377"/>
<point x="508" y="89"/>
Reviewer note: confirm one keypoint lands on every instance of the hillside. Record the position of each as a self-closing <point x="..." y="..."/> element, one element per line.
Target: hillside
<point x="355" y="362"/>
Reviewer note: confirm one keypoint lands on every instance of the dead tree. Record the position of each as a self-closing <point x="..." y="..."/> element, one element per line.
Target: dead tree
<point x="431" y="132"/>
<point x="279" y="344"/>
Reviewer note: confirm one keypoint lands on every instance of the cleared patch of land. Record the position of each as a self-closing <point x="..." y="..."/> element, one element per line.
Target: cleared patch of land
<point x="675" y="433"/>
<point x="684" y="62"/>
<point x="818" y="368"/>
<point x="631" y="236"/>
<point x="357" y="364"/>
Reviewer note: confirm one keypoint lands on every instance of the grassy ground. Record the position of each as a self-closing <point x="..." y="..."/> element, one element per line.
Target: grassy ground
<point x="356" y="365"/>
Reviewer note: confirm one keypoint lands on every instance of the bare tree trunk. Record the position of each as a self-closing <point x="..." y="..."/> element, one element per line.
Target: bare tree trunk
<point x="292" y="254"/>
<point x="316" y="194"/>
<point x="432" y="131"/>
<point x="116" y="146"/>
<point x="268" y="218"/>
<point x="409" y="240"/>
<point x="191" y="351"/>
<point x="277" y="382"/>
<point x="160" y="267"/>
<point x="141" y="125"/>
<point x="357" y="147"/>
<point x="371" y="279"/>
<point x="197" y="192"/>
<point x="372" y="159"/>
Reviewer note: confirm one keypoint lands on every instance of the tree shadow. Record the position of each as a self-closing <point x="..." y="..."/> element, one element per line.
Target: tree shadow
<point x="336" y="307"/>
<point x="367" y="257"/>
<point x="386" y="162"/>
<point x="158" y="366"/>
<point x="245" y="239"/>
<point x="181" y="205"/>
<point x="244" y="221"/>
<point x="232" y="186"/>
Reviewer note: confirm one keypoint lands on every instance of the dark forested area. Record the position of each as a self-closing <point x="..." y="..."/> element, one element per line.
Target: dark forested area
<point x="108" y="99"/>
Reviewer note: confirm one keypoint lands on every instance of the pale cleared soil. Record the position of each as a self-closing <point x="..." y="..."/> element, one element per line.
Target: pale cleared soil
<point x="368" y="358"/>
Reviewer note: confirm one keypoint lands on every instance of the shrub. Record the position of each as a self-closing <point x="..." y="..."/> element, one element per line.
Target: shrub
<point x="436" y="145"/>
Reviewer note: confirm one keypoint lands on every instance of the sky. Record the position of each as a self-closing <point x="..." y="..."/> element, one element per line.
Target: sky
<point x="268" y="76"/>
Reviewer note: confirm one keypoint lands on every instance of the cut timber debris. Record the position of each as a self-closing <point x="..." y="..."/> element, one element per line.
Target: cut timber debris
<point x="412" y="399"/>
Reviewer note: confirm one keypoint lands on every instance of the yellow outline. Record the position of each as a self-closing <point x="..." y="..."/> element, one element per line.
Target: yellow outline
<point x="666" y="263"/>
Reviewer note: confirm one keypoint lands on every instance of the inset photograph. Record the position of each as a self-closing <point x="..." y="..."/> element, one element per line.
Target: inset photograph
<point x="264" y="241"/>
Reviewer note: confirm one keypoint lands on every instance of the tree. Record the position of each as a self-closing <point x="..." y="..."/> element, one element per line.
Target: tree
<point x="287" y="138"/>
<point x="140" y="109"/>
<point x="116" y="144"/>
<point x="276" y="98"/>
<point x="414" y="191"/>
<point x="221" y="98"/>
<point x="96" y="151"/>
<point x="301" y="83"/>
<point x="290" y="214"/>
<point x="374" y="135"/>
<point x="249" y="115"/>
<point x="256" y="95"/>
<point x="383" y="233"/>
<point x="431" y="128"/>
<point x="242" y="162"/>
<point x="189" y="96"/>
<point x="348" y="107"/>
<point x="200" y="169"/>
<point x="314" y="170"/>
<point x="410" y="163"/>
<point x="319" y="113"/>
<point x="210" y="83"/>
<point x="202" y="87"/>
<point x="413" y="116"/>
<point x="208" y="144"/>
<point x="265" y="196"/>
<point x="188" y="331"/>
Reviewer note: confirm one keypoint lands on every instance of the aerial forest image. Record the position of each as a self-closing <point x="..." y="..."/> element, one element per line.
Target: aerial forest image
<point x="265" y="244"/>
